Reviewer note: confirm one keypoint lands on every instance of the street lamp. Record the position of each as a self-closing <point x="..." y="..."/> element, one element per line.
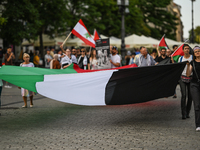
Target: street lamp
<point x="122" y="8"/>
<point x="192" y="38"/>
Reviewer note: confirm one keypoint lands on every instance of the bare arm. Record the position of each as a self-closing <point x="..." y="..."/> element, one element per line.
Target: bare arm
<point x="10" y="57"/>
<point x="88" y="66"/>
<point x="172" y="59"/>
<point x="61" y="47"/>
<point x="189" y="69"/>
<point x="115" y="64"/>
<point x="65" y="66"/>
<point x="158" y="51"/>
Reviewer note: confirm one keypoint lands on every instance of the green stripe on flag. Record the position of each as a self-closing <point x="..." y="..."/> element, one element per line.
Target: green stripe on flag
<point x="176" y="57"/>
<point x="26" y="77"/>
<point x="162" y="47"/>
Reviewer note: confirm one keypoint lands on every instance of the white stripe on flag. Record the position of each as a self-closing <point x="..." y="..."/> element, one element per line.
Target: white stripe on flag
<point x="81" y="88"/>
<point x="82" y="31"/>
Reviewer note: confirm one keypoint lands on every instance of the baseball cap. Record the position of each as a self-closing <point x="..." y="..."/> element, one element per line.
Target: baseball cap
<point x="114" y="47"/>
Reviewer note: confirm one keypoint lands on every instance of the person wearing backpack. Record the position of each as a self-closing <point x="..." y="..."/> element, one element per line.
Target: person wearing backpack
<point x="184" y="83"/>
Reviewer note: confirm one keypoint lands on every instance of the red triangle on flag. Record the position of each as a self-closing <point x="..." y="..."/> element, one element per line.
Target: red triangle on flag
<point x="96" y="35"/>
<point x="162" y="43"/>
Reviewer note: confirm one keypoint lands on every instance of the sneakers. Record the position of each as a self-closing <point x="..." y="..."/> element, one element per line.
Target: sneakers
<point x="198" y="129"/>
<point x="31" y="106"/>
<point x="24" y="106"/>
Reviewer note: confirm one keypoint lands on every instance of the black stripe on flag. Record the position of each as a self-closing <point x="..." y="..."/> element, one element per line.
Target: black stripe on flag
<point x="142" y="84"/>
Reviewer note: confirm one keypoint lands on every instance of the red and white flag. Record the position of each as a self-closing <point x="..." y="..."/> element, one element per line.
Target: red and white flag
<point x="81" y="32"/>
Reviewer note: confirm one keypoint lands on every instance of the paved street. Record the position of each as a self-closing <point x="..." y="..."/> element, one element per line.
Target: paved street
<point x="55" y="125"/>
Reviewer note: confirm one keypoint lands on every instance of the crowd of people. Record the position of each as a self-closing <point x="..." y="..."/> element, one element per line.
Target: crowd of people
<point x="189" y="81"/>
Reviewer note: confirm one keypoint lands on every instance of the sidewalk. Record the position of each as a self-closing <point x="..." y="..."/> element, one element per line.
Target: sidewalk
<point x="50" y="124"/>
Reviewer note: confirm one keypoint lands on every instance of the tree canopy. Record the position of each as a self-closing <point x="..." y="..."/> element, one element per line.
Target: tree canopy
<point x="196" y="34"/>
<point x="26" y="19"/>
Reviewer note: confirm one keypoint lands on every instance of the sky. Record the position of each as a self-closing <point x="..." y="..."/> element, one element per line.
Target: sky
<point x="186" y="11"/>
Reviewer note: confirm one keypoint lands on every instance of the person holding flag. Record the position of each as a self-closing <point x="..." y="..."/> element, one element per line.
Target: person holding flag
<point x="193" y="68"/>
<point x="81" y="32"/>
<point x="185" y="84"/>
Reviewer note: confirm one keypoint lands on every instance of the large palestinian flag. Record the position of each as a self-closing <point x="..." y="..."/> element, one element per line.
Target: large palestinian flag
<point x="123" y="85"/>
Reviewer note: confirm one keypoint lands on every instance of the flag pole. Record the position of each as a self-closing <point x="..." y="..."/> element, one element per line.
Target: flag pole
<point x="66" y="38"/>
<point x="90" y="51"/>
<point x="178" y="47"/>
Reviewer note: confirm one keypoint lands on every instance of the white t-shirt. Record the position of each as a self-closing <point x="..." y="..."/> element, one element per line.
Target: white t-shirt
<point x="115" y="59"/>
<point x="184" y="59"/>
<point x="67" y="60"/>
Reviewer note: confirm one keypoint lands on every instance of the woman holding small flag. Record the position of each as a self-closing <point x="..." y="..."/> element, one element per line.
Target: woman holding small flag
<point x="194" y="68"/>
<point x="185" y="84"/>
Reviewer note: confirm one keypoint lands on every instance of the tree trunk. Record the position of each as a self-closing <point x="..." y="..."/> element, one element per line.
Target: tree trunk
<point x="41" y="47"/>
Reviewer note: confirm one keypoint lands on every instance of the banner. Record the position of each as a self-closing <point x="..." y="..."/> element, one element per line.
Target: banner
<point x="103" y="53"/>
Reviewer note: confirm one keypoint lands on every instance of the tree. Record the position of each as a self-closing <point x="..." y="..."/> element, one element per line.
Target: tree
<point x="53" y="17"/>
<point x="135" y="20"/>
<point x="157" y="19"/>
<point x="19" y="21"/>
<point x="86" y="10"/>
<point x="196" y="34"/>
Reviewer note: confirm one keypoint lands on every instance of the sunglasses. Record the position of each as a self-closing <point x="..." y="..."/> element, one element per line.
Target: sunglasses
<point x="73" y="51"/>
<point x="82" y="51"/>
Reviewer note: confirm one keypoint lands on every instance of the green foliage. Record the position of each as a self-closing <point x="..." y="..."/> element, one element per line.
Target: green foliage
<point x="2" y="21"/>
<point x="53" y="16"/>
<point x="157" y="19"/>
<point x="27" y="19"/>
<point x="196" y="34"/>
<point x="21" y="21"/>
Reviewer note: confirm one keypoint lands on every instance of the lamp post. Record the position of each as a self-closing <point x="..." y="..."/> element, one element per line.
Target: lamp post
<point x="122" y="7"/>
<point x="192" y="38"/>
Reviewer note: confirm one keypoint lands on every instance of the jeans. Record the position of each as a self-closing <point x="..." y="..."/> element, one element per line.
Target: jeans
<point x="185" y="92"/>
<point x="195" y="93"/>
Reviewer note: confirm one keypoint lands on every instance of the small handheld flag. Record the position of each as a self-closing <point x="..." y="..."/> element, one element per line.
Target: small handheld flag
<point x="163" y="43"/>
<point x="96" y="35"/>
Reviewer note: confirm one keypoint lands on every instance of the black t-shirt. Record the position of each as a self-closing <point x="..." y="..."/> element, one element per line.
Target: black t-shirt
<point x="80" y="64"/>
<point x="156" y="59"/>
<point x="197" y="67"/>
<point x="159" y="59"/>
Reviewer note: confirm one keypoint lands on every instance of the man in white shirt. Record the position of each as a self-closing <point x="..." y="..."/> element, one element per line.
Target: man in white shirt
<point x="115" y="59"/>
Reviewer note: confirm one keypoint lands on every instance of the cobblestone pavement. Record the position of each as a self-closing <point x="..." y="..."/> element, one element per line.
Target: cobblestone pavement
<point x="50" y="124"/>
